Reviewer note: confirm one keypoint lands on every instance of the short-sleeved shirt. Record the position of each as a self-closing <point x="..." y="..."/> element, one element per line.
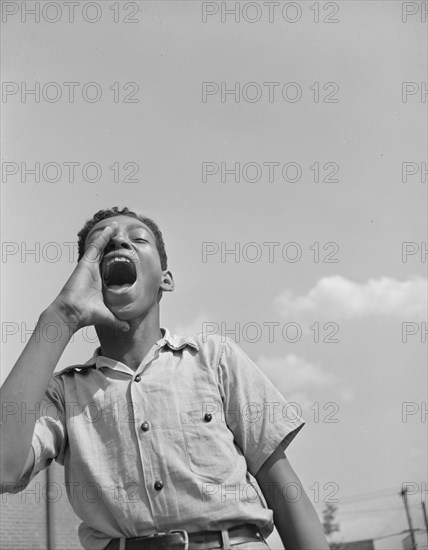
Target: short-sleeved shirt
<point x="172" y="445"/>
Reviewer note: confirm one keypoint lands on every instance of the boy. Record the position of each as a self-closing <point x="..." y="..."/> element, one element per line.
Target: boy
<point x="151" y="430"/>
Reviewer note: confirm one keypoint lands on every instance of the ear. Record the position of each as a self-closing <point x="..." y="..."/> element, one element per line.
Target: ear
<point x="167" y="284"/>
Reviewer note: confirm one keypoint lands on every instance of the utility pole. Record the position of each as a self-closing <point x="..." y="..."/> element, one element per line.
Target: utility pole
<point x="403" y="494"/>
<point x="424" y="513"/>
<point x="48" y="512"/>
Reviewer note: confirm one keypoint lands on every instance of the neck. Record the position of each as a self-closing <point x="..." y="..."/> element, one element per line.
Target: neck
<point x="130" y="347"/>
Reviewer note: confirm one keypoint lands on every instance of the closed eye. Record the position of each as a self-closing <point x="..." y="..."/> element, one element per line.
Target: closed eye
<point x="139" y="241"/>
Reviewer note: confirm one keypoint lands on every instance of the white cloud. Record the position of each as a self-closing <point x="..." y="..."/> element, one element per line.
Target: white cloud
<point x="294" y="372"/>
<point x="337" y="296"/>
<point x="192" y="327"/>
<point x="300" y="381"/>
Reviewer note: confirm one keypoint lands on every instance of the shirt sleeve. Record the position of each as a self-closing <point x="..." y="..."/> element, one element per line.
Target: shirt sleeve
<point x="258" y="415"/>
<point x="49" y="437"/>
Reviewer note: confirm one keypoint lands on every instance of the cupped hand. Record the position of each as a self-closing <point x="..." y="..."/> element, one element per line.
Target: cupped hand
<point x="81" y="297"/>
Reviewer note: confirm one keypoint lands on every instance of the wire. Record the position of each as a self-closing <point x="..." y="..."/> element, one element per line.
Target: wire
<point x="371" y="511"/>
<point x="384" y="493"/>
<point x="370" y="496"/>
<point x="400" y="533"/>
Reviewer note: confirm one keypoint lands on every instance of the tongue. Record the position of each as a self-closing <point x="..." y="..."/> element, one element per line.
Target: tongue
<point x="118" y="287"/>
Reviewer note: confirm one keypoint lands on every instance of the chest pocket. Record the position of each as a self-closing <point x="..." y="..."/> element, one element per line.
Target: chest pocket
<point x="209" y="444"/>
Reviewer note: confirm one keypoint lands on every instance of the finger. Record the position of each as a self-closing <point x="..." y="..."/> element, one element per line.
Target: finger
<point x="94" y="250"/>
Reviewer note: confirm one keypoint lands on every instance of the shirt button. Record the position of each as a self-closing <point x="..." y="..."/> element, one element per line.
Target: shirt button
<point x="208" y="417"/>
<point x="145" y="426"/>
<point x="137" y="378"/>
<point x="158" y="485"/>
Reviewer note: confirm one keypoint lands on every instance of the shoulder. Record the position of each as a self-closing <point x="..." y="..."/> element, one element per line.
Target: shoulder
<point x="217" y="349"/>
<point x="207" y="349"/>
<point x="73" y="370"/>
<point x="63" y="382"/>
<point x="212" y="343"/>
<point x="81" y="368"/>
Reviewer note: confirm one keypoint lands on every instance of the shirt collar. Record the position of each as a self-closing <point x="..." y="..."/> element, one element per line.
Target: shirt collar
<point x="178" y="342"/>
<point x="173" y="341"/>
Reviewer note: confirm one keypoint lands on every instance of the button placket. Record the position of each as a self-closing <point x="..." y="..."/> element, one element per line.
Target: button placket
<point x="143" y="427"/>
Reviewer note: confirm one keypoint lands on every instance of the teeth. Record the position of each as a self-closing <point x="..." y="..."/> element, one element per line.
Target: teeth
<point x="118" y="259"/>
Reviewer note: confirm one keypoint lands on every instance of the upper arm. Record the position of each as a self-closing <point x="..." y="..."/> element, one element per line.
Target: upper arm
<point x="48" y="441"/>
<point x="275" y="474"/>
<point x="294" y="515"/>
<point x="18" y="485"/>
<point x="277" y="468"/>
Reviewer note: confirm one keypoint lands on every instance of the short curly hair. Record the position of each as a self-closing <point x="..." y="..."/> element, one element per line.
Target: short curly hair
<point x="104" y="214"/>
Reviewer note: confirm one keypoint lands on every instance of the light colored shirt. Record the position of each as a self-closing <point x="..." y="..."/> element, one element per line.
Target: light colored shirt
<point x="168" y="446"/>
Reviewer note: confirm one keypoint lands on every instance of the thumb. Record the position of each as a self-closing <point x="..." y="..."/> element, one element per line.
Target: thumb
<point x="117" y="324"/>
<point x="121" y="325"/>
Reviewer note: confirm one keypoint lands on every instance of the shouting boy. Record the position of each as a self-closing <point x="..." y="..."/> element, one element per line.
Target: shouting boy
<point x="153" y="423"/>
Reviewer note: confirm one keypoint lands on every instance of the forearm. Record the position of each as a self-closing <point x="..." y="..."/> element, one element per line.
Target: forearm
<point x="80" y="303"/>
<point x="24" y="389"/>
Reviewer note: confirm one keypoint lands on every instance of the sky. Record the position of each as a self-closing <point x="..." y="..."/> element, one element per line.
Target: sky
<point x="282" y="150"/>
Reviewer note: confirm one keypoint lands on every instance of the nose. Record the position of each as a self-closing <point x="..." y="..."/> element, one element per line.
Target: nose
<point x="116" y="243"/>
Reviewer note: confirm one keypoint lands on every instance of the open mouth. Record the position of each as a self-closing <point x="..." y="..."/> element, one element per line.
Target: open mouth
<point x="119" y="273"/>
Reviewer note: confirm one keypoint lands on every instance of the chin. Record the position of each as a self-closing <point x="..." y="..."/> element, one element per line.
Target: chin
<point x="126" y="306"/>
